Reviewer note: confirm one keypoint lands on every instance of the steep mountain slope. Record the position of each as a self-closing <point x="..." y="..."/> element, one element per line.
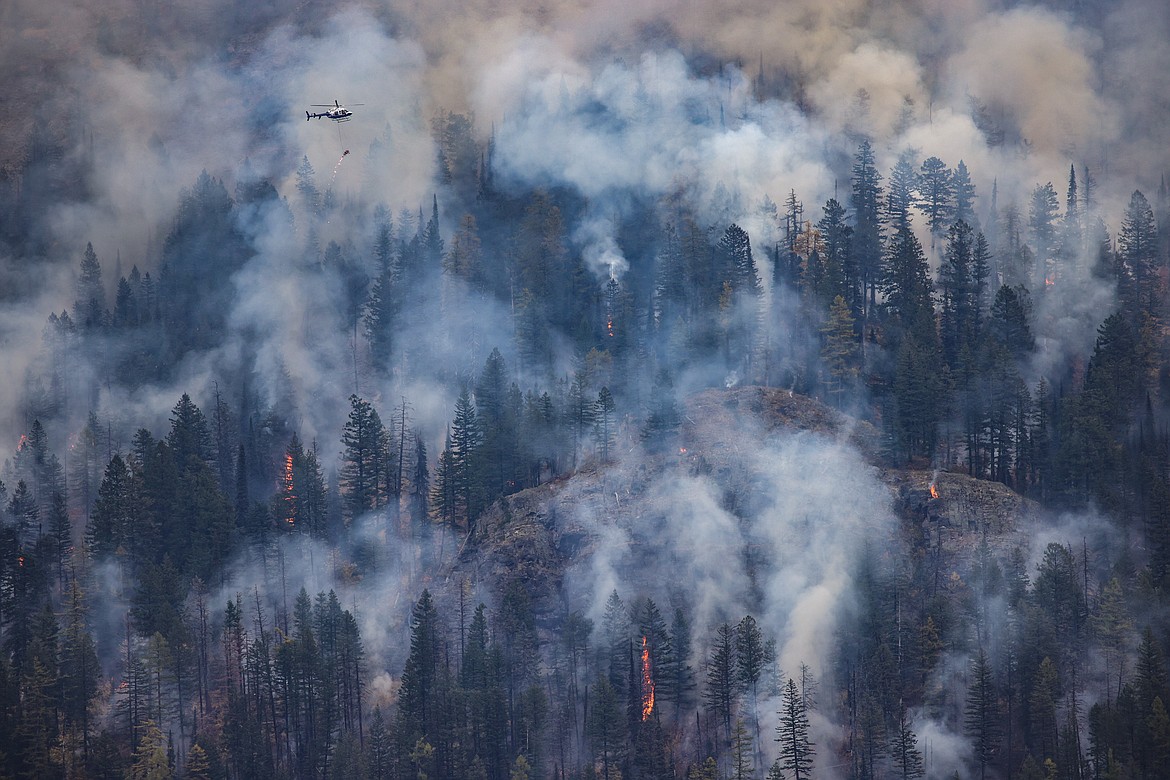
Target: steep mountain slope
<point x="659" y="521"/>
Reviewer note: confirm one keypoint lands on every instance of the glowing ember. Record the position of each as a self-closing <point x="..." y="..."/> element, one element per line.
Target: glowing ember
<point x="1049" y="281"/>
<point x="21" y="444"/>
<point x="20" y="560"/>
<point x="647" y="683"/>
<point x="933" y="490"/>
<point x="682" y="450"/>
<point x="609" y="326"/>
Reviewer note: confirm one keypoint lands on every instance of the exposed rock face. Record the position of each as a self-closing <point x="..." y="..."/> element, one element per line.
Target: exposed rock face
<point x="960" y="510"/>
<point x="539" y="538"/>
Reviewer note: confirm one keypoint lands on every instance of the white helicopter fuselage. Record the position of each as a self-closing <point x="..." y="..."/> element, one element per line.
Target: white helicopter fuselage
<point x="337" y="114"/>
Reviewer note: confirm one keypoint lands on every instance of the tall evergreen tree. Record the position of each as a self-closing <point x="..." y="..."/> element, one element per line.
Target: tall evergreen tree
<point x="866" y="198"/>
<point x="964" y="195"/>
<point x="907" y="756"/>
<point x="1042" y="212"/>
<point x="796" y="748"/>
<point x="606" y="730"/>
<point x="900" y="191"/>
<point x="936" y="195"/>
<point x="89" y="309"/>
<point x="1137" y="250"/>
<point x="841" y="274"/>
<point x="465" y="475"/>
<point x="959" y="320"/>
<point x="362" y="459"/>
<point x="604" y="427"/>
<point x="418" y="699"/>
<point x="383" y="306"/>
<point x="907" y="285"/>
<point x="721" y="690"/>
<point x="80" y="670"/>
<point x="981" y="715"/>
<point x="840" y="351"/>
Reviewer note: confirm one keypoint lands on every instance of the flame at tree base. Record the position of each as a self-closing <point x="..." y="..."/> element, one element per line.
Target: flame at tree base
<point x="647" y="683"/>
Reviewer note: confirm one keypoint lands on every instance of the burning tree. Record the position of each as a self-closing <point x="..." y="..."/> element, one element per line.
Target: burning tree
<point x="647" y="683"/>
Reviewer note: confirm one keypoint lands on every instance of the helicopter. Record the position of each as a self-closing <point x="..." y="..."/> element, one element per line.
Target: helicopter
<point x="336" y="112"/>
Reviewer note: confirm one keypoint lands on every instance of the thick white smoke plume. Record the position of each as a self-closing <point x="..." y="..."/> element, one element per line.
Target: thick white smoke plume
<point x="702" y="106"/>
<point x="612" y="100"/>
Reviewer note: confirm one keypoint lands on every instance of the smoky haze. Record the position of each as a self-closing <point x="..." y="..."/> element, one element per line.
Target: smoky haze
<point x="115" y="110"/>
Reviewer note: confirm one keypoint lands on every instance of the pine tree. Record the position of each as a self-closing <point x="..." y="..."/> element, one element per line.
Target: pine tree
<point x="720" y="693"/>
<point x="420" y="485"/>
<point x="736" y="252"/>
<point x="841" y="273"/>
<point x="964" y="195"/>
<point x="865" y="198"/>
<point x="198" y="767"/>
<point x="125" y="307"/>
<point x="150" y="758"/>
<point x="580" y="410"/>
<point x="89" y="310"/>
<point x="606" y="729"/>
<point x="959" y="320"/>
<point x="466" y="476"/>
<point x="60" y="531"/>
<point x="80" y="669"/>
<point x="1008" y="322"/>
<point x="497" y="412"/>
<point x="907" y="756"/>
<point x="362" y="462"/>
<point x="676" y="682"/>
<point x="444" y="498"/>
<point x="981" y="715"/>
<point x="1072" y="227"/>
<point x="663" y="420"/>
<point x="1042" y="213"/>
<point x="796" y="749"/>
<point x="936" y="187"/>
<point x="907" y="285"/>
<point x="1137" y="250"/>
<point x="615" y="627"/>
<point x="189" y="436"/>
<point x="115" y="517"/>
<point x="604" y="426"/>
<point x="418" y="703"/>
<point x="900" y="191"/>
<point x="918" y="396"/>
<point x="379" y="759"/>
<point x="840" y="351"/>
<point x="741" y="752"/>
<point x="383" y="305"/>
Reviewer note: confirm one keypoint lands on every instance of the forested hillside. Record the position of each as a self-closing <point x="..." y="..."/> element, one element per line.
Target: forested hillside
<point x="618" y="393"/>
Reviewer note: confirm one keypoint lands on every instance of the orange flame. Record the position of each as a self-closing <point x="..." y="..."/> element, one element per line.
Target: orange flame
<point x="20" y="445"/>
<point x="682" y="450"/>
<point x="609" y="326"/>
<point x="289" y="487"/>
<point x="647" y="683"/>
<point x="933" y="490"/>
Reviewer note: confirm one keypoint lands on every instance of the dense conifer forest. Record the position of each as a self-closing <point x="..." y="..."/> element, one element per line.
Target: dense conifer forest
<point x="279" y="425"/>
